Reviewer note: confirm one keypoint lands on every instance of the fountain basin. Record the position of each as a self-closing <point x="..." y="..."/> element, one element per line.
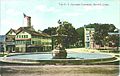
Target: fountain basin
<point x="46" y="58"/>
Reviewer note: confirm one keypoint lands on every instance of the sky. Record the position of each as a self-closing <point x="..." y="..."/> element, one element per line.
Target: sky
<point x="46" y="13"/>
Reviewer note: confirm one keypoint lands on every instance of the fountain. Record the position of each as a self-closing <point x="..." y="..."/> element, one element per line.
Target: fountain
<point x="59" y="51"/>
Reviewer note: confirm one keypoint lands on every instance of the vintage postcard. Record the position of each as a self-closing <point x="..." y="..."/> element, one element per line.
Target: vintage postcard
<point x="59" y="37"/>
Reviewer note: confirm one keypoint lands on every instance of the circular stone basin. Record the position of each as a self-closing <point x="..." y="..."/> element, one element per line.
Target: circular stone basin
<point x="46" y="58"/>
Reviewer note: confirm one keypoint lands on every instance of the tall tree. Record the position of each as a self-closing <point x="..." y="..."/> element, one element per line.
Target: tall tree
<point x="67" y="29"/>
<point x="81" y="36"/>
<point x="72" y="35"/>
<point x="101" y="35"/>
<point x="50" y="30"/>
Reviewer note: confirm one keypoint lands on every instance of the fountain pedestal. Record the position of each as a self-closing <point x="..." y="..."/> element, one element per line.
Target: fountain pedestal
<point x="59" y="54"/>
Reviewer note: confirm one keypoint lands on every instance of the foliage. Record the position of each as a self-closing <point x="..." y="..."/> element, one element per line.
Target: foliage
<point x="114" y="39"/>
<point x="101" y="36"/>
<point x="80" y="31"/>
<point x="50" y="30"/>
<point x="67" y="29"/>
<point x="72" y="34"/>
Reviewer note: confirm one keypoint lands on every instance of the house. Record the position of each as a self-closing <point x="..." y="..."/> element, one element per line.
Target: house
<point x="10" y="40"/>
<point x="88" y="37"/>
<point x="28" y="40"/>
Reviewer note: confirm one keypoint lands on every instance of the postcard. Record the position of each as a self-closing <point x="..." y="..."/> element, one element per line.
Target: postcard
<point x="59" y="37"/>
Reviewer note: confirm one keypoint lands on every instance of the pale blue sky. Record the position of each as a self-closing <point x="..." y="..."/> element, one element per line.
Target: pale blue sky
<point x="46" y="13"/>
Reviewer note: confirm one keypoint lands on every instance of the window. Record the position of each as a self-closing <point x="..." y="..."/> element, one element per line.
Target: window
<point x="11" y="32"/>
<point x="19" y="36"/>
<point x="26" y="36"/>
<point x="15" y="42"/>
<point x="87" y="38"/>
<point x="22" y="36"/>
<point x="33" y="42"/>
<point x="39" y="42"/>
<point x="88" y="45"/>
<point x="24" y="42"/>
<point x="33" y="37"/>
<point x="87" y="33"/>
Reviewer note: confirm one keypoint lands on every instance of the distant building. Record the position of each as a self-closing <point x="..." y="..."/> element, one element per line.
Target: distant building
<point x="26" y="39"/>
<point x="88" y="35"/>
<point x="2" y="43"/>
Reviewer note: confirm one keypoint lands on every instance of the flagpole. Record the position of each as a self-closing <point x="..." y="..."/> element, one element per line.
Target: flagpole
<point x="24" y="15"/>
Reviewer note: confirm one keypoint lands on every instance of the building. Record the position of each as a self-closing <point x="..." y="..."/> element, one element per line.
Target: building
<point x="10" y="40"/>
<point x="26" y="39"/>
<point x="31" y="41"/>
<point x="2" y="43"/>
<point x="88" y="35"/>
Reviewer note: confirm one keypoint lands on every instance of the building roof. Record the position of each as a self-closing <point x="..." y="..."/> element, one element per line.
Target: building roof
<point x="31" y="31"/>
<point x="11" y="30"/>
<point x="90" y="29"/>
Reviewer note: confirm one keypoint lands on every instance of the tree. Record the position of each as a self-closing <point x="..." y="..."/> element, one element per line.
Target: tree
<point x="101" y="36"/>
<point x="114" y="41"/>
<point x="72" y="35"/>
<point x="67" y="29"/>
<point x="50" y="30"/>
<point x="80" y="31"/>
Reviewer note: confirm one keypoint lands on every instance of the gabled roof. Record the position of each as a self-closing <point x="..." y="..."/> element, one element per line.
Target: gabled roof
<point x="12" y="31"/>
<point x="29" y="30"/>
<point x="24" y="28"/>
<point x="32" y="32"/>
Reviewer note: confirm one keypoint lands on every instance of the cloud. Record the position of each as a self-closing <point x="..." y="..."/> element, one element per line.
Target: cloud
<point x="10" y="23"/>
<point x="44" y="8"/>
<point x="38" y="23"/>
<point x="36" y="20"/>
<point x="89" y="8"/>
<point x="71" y="14"/>
<point x="51" y="9"/>
<point x="41" y="7"/>
<point x="13" y="12"/>
<point x="7" y="24"/>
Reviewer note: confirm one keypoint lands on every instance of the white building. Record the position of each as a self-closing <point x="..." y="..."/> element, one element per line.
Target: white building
<point x="88" y="37"/>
